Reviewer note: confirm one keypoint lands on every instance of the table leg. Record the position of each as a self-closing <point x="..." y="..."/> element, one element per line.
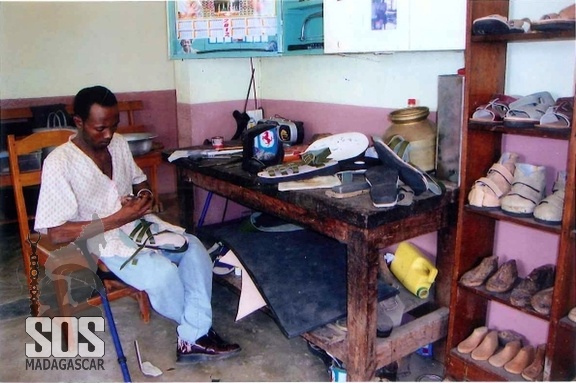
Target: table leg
<point x="185" y="192"/>
<point x="362" y="282"/>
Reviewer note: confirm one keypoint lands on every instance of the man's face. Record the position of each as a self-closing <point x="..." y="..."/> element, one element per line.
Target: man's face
<point x="99" y="127"/>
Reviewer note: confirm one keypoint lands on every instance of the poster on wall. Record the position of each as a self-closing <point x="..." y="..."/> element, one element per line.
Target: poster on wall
<point x="383" y="15"/>
<point x="223" y="28"/>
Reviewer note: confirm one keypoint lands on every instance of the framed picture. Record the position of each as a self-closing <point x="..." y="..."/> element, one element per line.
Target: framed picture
<point x="224" y="28"/>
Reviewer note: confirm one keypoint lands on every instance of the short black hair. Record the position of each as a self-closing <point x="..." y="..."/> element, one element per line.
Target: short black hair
<point x="93" y="95"/>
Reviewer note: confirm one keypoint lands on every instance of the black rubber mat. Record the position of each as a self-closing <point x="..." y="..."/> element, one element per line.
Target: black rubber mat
<point x="300" y="274"/>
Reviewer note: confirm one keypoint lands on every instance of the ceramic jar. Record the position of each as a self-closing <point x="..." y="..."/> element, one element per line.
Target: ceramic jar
<point x="415" y="139"/>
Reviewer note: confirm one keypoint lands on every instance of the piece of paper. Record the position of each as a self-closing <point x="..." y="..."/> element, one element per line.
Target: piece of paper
<point x="321" y="182"/>
<point x="250" y="298"/>
<point x="202" y="153"/>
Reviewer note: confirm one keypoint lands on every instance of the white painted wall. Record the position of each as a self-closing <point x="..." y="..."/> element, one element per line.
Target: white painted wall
<point x="56" y="48"/>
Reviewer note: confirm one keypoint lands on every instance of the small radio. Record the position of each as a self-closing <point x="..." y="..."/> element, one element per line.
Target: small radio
<point x="289" y="132"/>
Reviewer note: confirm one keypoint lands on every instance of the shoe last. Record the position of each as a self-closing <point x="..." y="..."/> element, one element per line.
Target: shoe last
<point x="504" y="278"/>
<point x="486" y="349"/>
<point x="473" y="340"/>
<point x="542" y="301"/>
<point x="527" y="190"/>
<point x="535" y="371"/>
<point x="522" y="360"/>
<point x="478" y="275"/>
<point x="550" y="209"/>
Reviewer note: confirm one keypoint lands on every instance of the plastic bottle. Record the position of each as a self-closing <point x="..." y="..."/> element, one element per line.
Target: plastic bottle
<point x="413" y="269"/>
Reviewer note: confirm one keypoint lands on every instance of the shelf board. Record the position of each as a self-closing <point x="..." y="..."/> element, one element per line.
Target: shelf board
<point x="501" y="216"/>
<point x="481" y="370"/>
<point x="503" y="298"/>
<point x="558" y="134"/>
<point x="530" y="36"/>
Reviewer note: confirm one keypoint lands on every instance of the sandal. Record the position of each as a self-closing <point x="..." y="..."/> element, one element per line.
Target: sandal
<point x="563" y="20"/>
<point x="527" y="111"/>
<point x="488" y="191"/>
<point x="559" y="115"/>
<point x="494" y="111"/>
<point x="383" y="182"/>
<point x="499" y="25"/>
<point x="527" y="190"/>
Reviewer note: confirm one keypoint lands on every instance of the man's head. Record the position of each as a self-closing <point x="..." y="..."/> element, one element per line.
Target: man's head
<point x="96" y="116"/>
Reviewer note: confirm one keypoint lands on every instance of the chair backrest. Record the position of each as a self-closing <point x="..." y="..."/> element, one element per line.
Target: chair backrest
<point x="21" y="178"/>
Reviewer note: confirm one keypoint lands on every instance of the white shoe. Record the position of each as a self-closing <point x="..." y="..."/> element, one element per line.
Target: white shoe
<point x="549" y="210"/>
<point x="528" y="187"/>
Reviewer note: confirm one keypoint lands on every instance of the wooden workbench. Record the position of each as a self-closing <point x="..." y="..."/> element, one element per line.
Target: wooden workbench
<point x="365" y="229"/>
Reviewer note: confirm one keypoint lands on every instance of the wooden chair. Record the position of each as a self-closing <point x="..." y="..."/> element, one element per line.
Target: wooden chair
<point x="69" y="256"/>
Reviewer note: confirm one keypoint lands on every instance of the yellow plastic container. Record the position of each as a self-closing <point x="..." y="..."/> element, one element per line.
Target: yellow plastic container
<point x="413" y="269"/>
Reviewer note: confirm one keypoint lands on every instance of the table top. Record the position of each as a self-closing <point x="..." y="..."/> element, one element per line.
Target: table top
<point x="357" y="211"/>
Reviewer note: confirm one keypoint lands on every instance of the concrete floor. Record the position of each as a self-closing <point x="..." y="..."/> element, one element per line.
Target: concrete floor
<point x="267" y="355"/>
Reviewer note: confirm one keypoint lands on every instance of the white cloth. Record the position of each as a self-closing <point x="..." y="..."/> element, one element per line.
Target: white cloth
<point x="73" y="188"/>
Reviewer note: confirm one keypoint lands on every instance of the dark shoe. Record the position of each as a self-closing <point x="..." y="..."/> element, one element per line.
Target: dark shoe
<point x="478" y="275"/>
<point x="383" y="183"/>
<point x="542" y="301"/>
<point x="207" y="347"/>
<point x="540" y="278"/>
<point x="504" y="278"/>
<point x="507" y="336"/>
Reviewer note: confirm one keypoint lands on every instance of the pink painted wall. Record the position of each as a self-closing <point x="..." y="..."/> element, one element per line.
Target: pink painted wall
<point x="159" y="115"/>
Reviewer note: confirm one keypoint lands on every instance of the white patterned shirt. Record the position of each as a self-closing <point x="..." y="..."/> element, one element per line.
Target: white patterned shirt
<point x="73" y="188"/>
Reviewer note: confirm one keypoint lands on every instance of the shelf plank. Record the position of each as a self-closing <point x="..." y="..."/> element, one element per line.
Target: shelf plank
<point x="479" y="370"/>
<point x="501" y="216"/>
<point x="558" y="134"/>
<point x="504" y="298"/>
<point x="530" y="36"/>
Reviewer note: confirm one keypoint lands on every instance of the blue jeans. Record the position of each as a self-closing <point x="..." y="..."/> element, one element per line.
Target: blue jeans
<point x="179" y="285"/>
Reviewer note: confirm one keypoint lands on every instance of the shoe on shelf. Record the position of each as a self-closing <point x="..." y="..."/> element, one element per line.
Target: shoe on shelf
<point x="478" y="275"/>
<point x="499" y="25"/>
<point x="207" y="347"/>
<point x="535" y="371"/>
<point x="563" y="20"/>
<point x="542" y="301"/>
<point x="487" y="347"/>
<point x="540" y="278"/>
<point x="559" y="115"/>
<point x="503" y="280"/>
<point x="528" y="187"/>
<point x="506" y="354"/>
<point x="487" y="191"/>
<point x="572" y="314"/>
<point x="550" y="209"/>
<point x="527" y="111"/>
<point x="493" y="112"/>
<point x="522" y="360"/>
<point x="473" y="340"/>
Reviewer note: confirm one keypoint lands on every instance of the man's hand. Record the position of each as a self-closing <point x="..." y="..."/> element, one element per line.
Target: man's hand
<point x="134" y="207"/>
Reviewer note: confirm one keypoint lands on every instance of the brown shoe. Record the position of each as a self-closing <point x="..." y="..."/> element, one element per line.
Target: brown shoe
<point x="542" y="301"/>
<point x="522" y="360"/>
<point x="478" y="275"/>
<point x="473" y="340"/>
<point x="540" y="278"/>
<point x="535" y="371"/>
<point x="486" y="349"/>
<point x="207" y="347"/>
<point x="506" y="354"/>
<point x="504" y="278"/>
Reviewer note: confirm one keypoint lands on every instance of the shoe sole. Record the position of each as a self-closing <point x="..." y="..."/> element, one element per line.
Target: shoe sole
<point x="196" y="358"/>
<point x="408" y="174"/>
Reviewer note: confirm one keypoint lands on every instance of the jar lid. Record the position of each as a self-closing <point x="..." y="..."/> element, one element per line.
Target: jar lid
<point x="411" y="114"/>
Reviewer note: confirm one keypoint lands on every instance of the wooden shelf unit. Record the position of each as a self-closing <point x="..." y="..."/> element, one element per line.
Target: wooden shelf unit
<point x="485" y="60"/>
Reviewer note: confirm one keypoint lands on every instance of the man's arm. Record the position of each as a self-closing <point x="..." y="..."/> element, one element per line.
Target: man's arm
<point x="132" y="209"/>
